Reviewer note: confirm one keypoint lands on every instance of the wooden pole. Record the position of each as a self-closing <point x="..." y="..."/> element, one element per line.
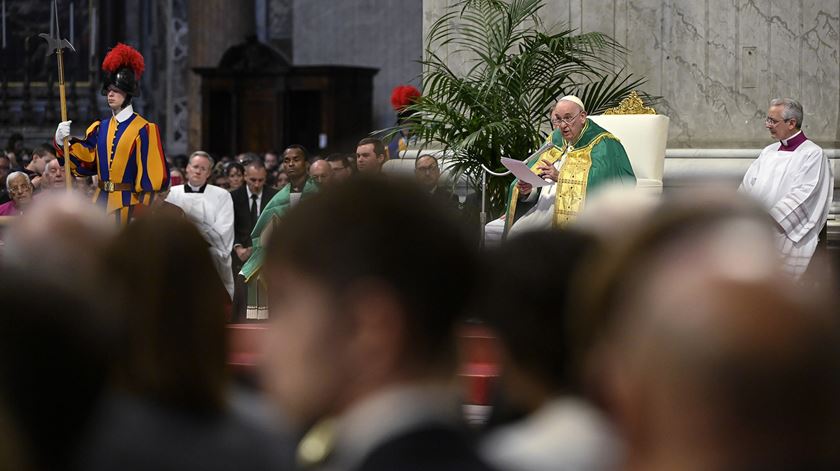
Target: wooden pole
<point x="67" y="180"/>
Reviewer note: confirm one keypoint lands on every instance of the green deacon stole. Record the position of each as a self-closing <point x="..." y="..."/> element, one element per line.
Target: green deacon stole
<point x="596" y="158"/>
<point x="275" y="208"/>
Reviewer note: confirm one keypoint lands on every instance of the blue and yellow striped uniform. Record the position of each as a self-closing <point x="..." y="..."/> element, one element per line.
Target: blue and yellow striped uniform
<point x="129" y="153"/>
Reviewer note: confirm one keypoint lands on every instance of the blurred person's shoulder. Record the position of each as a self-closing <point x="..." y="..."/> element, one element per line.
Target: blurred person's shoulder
<point x="133" y="433"/>
<point x="565" y="433"/>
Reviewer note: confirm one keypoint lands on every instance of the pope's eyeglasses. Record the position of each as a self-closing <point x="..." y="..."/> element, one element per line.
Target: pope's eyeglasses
<point x="555" y="120"/>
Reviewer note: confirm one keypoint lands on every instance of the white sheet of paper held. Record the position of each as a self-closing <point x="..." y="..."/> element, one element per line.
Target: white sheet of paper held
<point x="522" y="172"/>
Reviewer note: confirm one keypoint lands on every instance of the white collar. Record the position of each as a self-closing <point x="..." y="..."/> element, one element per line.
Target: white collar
<point x="785" y="141"/>
<point x="124" y="114"/>
<point x="248" y="189"/>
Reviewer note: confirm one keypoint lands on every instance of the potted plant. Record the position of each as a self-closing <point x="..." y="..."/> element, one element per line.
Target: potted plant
<point x="514" y="69"/>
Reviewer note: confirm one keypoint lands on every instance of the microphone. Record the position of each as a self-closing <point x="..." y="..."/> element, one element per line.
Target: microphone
<point x="548" y="145"/>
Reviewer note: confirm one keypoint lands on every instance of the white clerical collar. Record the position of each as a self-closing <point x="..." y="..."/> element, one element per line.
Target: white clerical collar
<point x="195" y="189"/>
<point x="785" y="141"/>
<point x="248" y="189"/>
<point x="124" y="114"/>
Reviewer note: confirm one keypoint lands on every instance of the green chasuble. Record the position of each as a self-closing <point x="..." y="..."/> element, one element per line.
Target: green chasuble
<point x="279" y="204"/>
<point x="595" y="159"/>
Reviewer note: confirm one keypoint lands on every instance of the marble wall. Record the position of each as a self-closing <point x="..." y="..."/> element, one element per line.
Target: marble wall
<point x="385" y="34"/>
<point x="717" y="63"/>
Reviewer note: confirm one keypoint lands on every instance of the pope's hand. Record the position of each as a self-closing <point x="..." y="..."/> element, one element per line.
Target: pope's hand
<point x="546" y="170"/>
<point x="62" y="131"/>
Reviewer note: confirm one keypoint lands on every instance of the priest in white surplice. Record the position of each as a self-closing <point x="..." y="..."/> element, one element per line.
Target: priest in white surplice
<point x="792" y="178"/>
<point x="210" y="208"/>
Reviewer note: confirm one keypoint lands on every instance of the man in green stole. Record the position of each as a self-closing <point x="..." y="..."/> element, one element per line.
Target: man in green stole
<point x="583" y="157"/>
<point x="257" y="297"/>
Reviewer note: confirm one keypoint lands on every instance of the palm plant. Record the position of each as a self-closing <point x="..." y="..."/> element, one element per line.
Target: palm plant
<point x="515" y="69"/>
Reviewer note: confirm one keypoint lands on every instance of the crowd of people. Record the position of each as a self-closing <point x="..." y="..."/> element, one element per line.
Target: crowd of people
<point x="632" y="332"/>
<point x="668" y="338"/>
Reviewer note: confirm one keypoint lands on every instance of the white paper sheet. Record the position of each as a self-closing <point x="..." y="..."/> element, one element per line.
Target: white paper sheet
<point x="523" y="173"/>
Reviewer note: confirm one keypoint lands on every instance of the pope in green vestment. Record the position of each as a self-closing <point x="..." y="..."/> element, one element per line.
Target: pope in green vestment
<point x="274" y="210"/>
<point x="583" y="157"/>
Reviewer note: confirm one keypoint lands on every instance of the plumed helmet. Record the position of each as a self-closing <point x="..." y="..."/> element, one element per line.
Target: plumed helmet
<point x="402" y="96"/>
<point x="123" y="66"/>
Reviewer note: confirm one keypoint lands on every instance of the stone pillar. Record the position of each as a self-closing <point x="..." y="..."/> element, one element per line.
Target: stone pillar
<point x="215" y="25"/>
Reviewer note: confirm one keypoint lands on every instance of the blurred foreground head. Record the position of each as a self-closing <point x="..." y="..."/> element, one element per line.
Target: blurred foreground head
<point x="61" y="239"/>
<point x="528" y="296"/>
<point x="706" y="354"/>
<point x="366" y="281"/>
<point x="164" y="281"/>
<point x="54" y="345"/>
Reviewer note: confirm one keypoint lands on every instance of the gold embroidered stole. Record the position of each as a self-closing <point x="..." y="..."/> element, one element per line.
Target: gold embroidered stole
<point x="551" y="156"/>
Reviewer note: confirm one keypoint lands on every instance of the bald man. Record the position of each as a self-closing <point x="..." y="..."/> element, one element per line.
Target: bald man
<point x="53" y="176"/>
<point x="321" y="172"/>
<point x="713" y="359"/>
<point x="582" y="157"/>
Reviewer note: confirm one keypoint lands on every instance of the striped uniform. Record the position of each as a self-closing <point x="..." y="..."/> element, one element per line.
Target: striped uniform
<point x="134" y="158"/>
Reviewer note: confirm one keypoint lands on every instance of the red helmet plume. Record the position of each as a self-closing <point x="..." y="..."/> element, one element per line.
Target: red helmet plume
<point x="123" y="55"/>
<point x="404" y="95"/>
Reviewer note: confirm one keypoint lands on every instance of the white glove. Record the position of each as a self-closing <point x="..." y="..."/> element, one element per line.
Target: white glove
<point x="62" y="131"/>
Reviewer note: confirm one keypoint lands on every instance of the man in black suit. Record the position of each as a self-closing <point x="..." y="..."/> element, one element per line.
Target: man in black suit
<point x="248" y="202"/>
<point x="427" y="175"/>
<point x="359" y="338"/>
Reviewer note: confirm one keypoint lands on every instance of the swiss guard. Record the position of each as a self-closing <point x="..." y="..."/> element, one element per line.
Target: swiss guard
<point x="401" y="97"/>
<point x="122" y="150"/>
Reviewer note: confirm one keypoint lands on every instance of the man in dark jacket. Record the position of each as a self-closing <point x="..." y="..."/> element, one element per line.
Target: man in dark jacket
<point x="248" y="202"/>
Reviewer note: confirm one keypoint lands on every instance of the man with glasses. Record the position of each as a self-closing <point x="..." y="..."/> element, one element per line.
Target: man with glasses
<point x="341" y="168"/>
<point x="20" y="189"/>
<point x="583" y="157"/>
<point x="427" y="175"/>
<point x="321" y="172"/>
<point x="792" y="179"/>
